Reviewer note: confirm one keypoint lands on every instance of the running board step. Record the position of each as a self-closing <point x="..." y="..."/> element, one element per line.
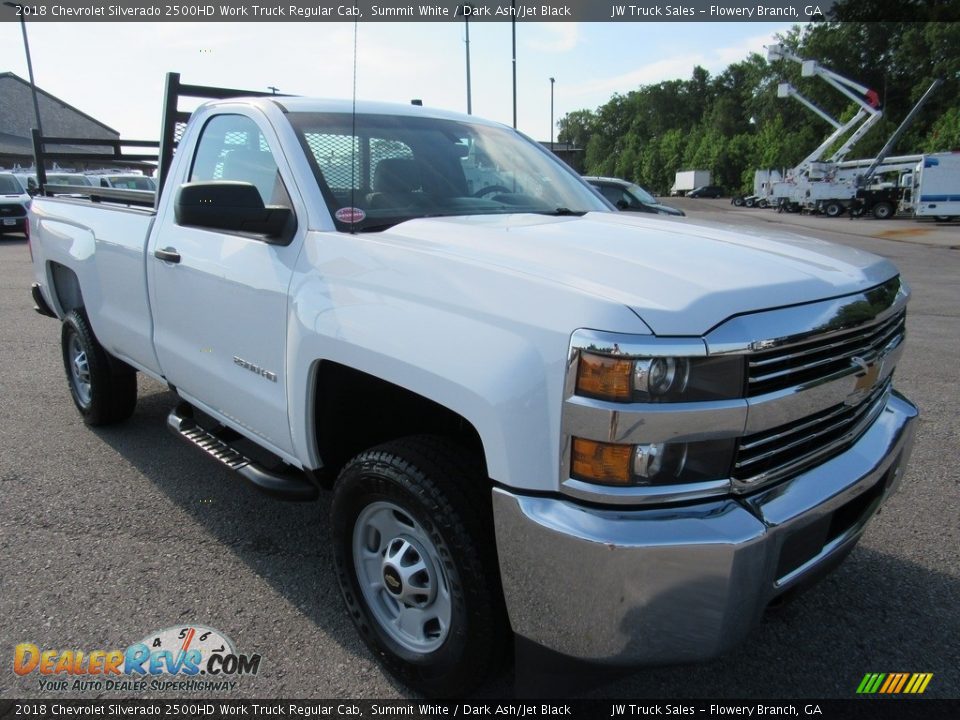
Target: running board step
<point x="288" y="486"/>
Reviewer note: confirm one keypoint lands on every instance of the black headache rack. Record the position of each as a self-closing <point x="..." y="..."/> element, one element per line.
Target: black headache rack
<point x="174" y="121"/>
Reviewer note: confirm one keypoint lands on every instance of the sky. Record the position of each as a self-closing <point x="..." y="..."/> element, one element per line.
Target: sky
<point x="115" y="71"/>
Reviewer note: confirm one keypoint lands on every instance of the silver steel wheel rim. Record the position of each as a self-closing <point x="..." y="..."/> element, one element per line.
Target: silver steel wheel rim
<point x="79" y="370"/>
<point x="401" y="577"/>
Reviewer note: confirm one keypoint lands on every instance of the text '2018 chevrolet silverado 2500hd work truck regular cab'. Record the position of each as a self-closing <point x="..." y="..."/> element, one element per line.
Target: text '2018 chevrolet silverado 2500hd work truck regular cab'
<point x="618" y="437"/>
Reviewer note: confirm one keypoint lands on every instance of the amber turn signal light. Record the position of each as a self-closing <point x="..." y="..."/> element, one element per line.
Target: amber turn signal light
<point x="605" y="377"/>
<point x="602" y="463"/>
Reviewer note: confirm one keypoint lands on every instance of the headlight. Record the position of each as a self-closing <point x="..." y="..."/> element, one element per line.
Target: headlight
<point x="658" y="376"/>
<point x="650" y="464"/>
<point x="659" y="379"/>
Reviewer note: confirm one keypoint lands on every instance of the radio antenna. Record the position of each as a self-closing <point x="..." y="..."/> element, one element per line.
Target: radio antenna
<point x="354" y="141"/>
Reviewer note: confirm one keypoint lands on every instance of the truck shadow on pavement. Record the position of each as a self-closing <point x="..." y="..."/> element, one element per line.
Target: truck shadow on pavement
<point x="876" y="613"/>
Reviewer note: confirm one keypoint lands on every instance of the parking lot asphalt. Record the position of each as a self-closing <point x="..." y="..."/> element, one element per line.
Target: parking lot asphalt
<point x="109" y="535"/>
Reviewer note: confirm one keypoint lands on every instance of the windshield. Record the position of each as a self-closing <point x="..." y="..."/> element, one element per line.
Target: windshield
<point x="642" y="195"/>
<point x="67" y="180"/>
<point x="131" y="182"/>
<point x="9" y="185"/>
<point x="379" y="170"/>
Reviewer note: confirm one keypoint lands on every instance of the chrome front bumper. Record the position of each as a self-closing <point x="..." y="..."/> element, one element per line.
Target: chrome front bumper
<point x="679" y="584"/>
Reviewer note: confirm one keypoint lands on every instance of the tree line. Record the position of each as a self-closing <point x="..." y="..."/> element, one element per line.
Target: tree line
<point x="733" y="123"/>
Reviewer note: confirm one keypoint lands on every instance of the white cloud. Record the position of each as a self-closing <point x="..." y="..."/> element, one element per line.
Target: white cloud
<point x="735" y="53"/>
<point x="667" y="69"/>
<point x="554" y="37"/>
<point x="681" y="66"/>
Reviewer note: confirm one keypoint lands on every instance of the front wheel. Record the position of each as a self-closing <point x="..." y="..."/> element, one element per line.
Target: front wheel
<point x="414" y="548"/>
<point x="103" y="392"/>
<point x="883" y="211"/>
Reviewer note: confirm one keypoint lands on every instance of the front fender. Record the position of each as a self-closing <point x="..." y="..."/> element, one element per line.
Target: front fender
<point x="485" y="344"/>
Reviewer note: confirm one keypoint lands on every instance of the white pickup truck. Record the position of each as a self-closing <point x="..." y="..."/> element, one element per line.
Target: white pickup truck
<point x="619" y="437"/>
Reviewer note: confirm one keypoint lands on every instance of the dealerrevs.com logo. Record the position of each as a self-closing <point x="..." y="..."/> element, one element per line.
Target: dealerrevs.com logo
<point x="182" y="659"/>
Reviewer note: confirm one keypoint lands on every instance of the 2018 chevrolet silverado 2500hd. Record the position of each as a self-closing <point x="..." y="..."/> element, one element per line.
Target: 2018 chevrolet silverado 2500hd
<point x="615" y="436"/>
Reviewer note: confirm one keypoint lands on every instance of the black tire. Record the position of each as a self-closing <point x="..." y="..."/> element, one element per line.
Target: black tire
<point x="750" y="202"/>
<point x="439" y="492"/>
<point x="882" y="211"/>
<point x="740" y="202"/>
<point x="103" y="388"/>
<point x="833" y="209"/>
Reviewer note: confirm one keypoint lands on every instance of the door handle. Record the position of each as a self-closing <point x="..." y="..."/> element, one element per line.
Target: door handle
<point x="167" y="254"/>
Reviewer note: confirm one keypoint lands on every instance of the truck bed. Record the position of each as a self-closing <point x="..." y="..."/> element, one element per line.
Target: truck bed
<point x="104" y="244"/>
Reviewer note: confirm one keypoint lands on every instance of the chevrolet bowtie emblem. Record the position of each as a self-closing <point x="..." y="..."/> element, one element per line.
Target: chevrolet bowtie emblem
<point x="866" y="379"/>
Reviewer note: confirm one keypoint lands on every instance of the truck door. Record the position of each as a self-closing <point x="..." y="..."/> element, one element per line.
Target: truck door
<point x="220" y="298"/>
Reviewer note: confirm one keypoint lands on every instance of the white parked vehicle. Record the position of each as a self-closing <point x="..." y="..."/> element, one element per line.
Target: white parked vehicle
<point x="614" y="435"/>
<point x="126" y="181"/>
<point x="935" y="189"/>
<point x="14" y="202"/>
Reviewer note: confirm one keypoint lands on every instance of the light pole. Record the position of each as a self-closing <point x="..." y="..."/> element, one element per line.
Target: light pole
<point x="26" y="49"/>
<point x="466" y="23"/>
<point x="513" y="36"/>
<point x="552" y="81"/>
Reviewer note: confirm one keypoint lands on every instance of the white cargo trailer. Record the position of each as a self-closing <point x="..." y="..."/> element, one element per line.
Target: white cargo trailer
<point x="688" y="180"/>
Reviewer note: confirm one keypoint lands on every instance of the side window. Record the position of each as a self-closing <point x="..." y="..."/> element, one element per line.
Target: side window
<point x="232" y="147"/>
<point x="612" y="193"/>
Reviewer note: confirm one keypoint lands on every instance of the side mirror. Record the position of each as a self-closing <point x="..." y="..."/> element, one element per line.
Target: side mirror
<point x="623" y="204"/>
<point x="33" y="191"/>
<point x="234" y="207"/>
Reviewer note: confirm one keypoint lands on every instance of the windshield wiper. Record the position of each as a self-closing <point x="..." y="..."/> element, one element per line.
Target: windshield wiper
<point x="562" y="211"/>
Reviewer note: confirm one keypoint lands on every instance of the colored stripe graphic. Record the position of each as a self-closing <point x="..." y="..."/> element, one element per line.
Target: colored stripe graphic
<point x="903" y="681"/>
<point x="894" y="683"/>
<point x="870" y="683"/>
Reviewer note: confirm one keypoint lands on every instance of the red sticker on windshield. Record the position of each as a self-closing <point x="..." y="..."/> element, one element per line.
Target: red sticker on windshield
<point x="350" y="215"/>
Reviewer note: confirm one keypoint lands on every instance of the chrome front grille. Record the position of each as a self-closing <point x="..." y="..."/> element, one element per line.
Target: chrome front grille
<point x="790" y="448"/>
<point x="821" y="356"/>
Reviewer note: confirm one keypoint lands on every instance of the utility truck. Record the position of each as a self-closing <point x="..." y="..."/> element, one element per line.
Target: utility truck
<point x="799" y="187"/>
<point x="613" y="436"/>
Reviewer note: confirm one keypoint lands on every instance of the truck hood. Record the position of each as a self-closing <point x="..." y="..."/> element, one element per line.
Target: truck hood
<point x="679" y="277"/>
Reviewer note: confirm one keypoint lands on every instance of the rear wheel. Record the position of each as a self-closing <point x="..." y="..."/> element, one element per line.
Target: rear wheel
<point x="833" y="209"/>
<point x="414" y="547"/>
<point x="104" y="390"/>
<point x="882" y="211"/>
